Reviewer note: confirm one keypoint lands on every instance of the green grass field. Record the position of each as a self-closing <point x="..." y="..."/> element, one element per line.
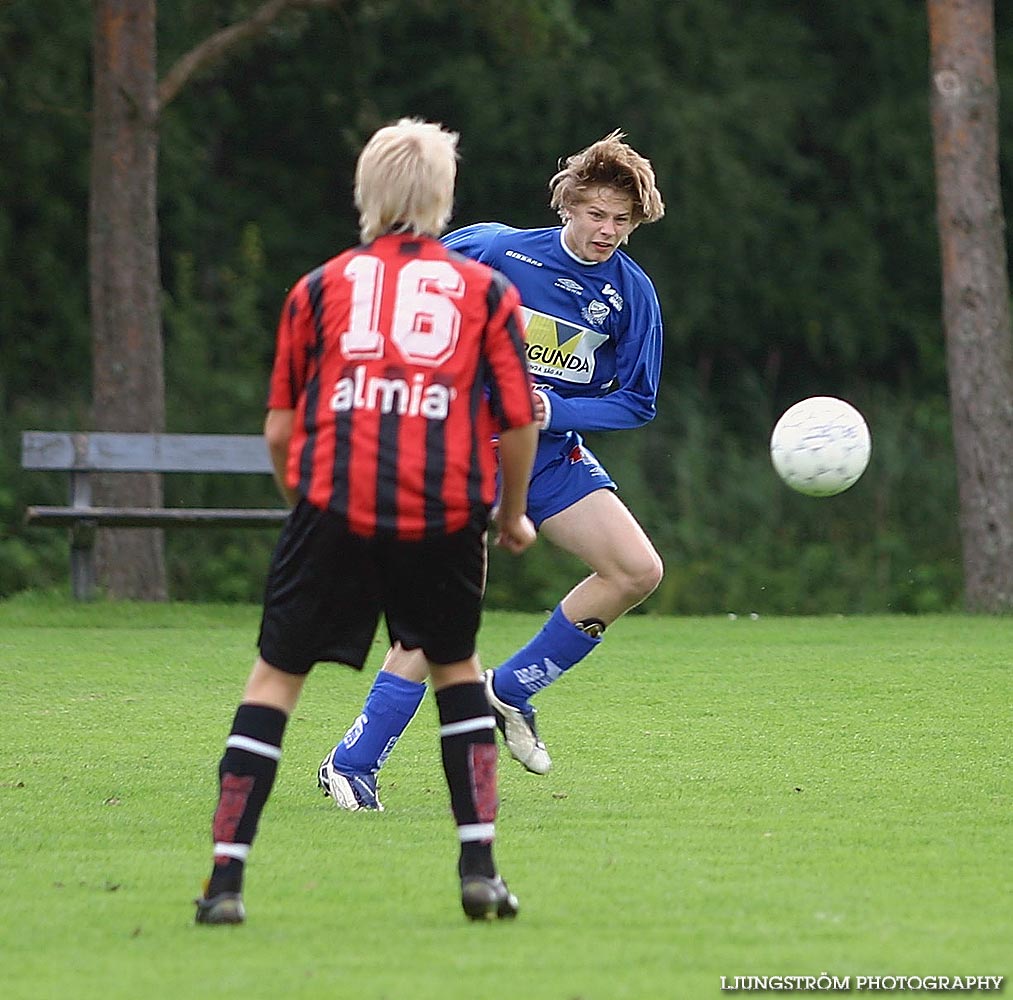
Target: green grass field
<point x="729" y="798"/>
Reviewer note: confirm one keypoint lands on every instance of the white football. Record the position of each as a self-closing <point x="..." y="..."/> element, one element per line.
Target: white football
<point x="820" y="446"/>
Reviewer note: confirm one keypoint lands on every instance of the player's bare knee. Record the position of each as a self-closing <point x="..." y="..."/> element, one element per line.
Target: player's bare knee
<point x="650" y="576"/>
<point x="641" y="578"/>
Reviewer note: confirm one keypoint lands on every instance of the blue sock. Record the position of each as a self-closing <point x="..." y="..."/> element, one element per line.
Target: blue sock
<point x="390" y="705"/>
<point x="557" y="647"/>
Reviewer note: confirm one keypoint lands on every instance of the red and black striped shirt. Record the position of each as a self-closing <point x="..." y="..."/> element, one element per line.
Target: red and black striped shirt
<point x="401" y="359"/>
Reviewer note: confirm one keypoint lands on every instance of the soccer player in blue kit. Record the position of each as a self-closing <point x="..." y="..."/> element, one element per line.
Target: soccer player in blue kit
<point x="594" y="345"/>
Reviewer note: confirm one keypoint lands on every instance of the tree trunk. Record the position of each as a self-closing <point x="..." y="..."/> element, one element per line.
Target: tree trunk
<point x="128" y="389"/>
<point x="976" y="314"/>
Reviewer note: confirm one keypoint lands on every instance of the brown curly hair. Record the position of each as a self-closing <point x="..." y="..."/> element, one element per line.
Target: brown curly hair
<point x="612" y="163"/>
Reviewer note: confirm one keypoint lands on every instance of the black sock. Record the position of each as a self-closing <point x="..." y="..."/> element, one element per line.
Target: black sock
<point x="245" y="775"/>
<point x="468" y="742"/>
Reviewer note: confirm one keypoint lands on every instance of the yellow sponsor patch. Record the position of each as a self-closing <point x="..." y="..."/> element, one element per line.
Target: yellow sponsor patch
<point x="559" y="349"/>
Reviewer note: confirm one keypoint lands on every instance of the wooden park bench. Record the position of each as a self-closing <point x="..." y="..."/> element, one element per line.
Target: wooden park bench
<point x="82" y="454"/>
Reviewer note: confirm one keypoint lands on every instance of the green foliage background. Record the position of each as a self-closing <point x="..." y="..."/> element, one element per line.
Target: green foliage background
<point x="798" y="256"/>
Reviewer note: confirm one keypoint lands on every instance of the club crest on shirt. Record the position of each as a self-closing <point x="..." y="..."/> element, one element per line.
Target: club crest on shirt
<point x="595" y="312"/>
<point x="560" y="350"/>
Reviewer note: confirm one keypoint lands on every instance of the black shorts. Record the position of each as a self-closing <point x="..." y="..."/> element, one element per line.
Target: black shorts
<point x="326" y="589"/>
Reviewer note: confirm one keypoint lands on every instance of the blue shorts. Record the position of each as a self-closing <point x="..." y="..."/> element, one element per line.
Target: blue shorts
<point x="565" y="471"/>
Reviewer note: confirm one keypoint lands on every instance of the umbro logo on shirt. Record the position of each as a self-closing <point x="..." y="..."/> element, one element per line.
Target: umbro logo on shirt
<point x="569" y="285"/>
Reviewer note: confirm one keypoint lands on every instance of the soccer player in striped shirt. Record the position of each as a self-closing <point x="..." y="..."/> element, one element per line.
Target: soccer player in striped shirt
<point x="594" y="338"/>
<point x="396" y="363"/>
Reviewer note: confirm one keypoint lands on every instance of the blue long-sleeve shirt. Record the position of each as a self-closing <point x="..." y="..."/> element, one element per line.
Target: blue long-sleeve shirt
<point x="594" y="330"/>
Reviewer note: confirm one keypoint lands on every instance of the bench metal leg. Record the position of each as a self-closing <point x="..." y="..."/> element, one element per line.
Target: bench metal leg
<point x="82" y="560"/>
<point x="82" y="534"/>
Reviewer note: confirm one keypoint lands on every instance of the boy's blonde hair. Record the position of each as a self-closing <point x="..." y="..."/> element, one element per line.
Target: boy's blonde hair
<point x="612" y="163"/>
<point x="404" y="180"/>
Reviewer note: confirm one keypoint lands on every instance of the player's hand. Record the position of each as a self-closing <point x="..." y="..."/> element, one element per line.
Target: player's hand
<point x="515" y="533"/>
<point x="541" y="411"/>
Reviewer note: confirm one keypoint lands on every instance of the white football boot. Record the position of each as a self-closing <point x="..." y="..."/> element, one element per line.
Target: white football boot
<point x="519" y="732"/>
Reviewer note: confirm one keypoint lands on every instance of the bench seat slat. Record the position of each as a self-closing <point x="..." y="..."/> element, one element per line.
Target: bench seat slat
<point x="84" y="453"/>
<point x="104" y="451"/>
<point x="148" y="517"/>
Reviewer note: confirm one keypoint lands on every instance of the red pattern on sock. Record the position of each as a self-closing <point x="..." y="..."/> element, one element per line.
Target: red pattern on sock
<point x="235" y="792"/>
<point x="484" y="792"/>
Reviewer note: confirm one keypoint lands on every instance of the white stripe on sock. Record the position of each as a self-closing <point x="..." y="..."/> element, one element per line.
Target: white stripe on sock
<point x="468" y="726"/>
<point x="476" y="831"/>
<point x="239" y="851"/>
<point x="254" y="746"/>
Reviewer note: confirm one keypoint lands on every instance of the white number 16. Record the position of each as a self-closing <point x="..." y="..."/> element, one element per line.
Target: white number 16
<point x="426" y="323"/>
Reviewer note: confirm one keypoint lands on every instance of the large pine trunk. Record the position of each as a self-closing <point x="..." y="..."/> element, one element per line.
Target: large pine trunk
<point x="976" y="314"/>
<point x="128" y="389"/>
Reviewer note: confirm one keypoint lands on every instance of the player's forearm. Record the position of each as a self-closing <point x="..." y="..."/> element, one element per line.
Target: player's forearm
<point x="278" y="434"/>
<point x="517" y="447"/>
<point x="618" y="412"/>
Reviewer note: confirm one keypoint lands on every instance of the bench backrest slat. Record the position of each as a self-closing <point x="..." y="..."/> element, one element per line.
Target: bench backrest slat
<point x="105" y="451"/>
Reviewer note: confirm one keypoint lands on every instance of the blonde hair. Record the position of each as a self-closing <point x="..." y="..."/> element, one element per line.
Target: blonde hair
<point x="611" y="163"/>
<point x="404" y="179"/>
